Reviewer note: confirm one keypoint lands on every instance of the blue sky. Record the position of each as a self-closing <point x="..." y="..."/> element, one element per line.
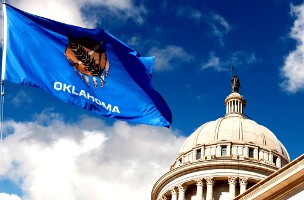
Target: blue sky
<point x="53" y="150"/>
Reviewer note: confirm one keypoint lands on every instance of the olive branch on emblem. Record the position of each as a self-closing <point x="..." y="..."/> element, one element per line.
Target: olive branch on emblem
<point x="83" y="55"/>
<point x="89" y="58"/>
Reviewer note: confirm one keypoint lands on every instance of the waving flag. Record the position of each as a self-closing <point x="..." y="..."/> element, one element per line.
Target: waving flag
<point x="89" y="68"/>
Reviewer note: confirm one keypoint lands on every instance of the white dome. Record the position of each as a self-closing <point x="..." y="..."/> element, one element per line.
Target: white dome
<point x="237" y="129"/>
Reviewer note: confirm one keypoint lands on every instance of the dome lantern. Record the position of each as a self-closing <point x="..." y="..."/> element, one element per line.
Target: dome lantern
<point x="235" y="104"/>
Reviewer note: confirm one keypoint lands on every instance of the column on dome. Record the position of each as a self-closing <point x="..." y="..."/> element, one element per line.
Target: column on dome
<point x="261" y="155"/>
<point x="218" y="150"/>
<point x="199" y="189"/>
<point x="240" y="150"/>
<point x="246" y="153"/>
<point x="213" y="150"/>
<point x="266" y="156"/>
<point x="207" y="151"/>
<point x="209" y="183"/>
<point x="270" y="157"/>
<point x="279" y="162"/>
<point x="231" y="106"/>
<point x="173" y="194"/>
<point x="235" y="106"/>
<point x="181" y="192"/>
<point x="203" y="152"/>
<point x="243" y="184"/>
<point x="228" y="150"/>
<point x="232" y="183"/>
<point x="234" y="150"/>
<point x="255" y="153"/>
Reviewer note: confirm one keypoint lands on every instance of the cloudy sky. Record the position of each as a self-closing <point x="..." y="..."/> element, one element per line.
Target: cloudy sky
<point x="55" y="151"/>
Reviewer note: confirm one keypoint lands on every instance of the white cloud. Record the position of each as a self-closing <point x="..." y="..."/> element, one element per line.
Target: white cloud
<point x="219" y="26"/>
<point x="168" y="58"/>
<point x="135" y="42"/>
<point x="214" y="62"/>
<point x="4" y="196"/>
<point x="238" y="59"/>
<point x="242" y="58"/>
<point x="190" y="13"/>
<point x="221" y="22"/>
<point x="293" y="69"/>
<point x="66" y="11"/>
<point x="121" y="4"/>
<point x="86" y="159"/>
<point x="70" y="11"/>
<point x="21" y="98"/>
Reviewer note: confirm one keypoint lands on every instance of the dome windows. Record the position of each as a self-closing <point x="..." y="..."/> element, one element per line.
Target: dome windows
<point x="274" y="160"/>
<point x="251" y="152"/>
<point x="224" y="150"/>
<point x="198" y="154"/>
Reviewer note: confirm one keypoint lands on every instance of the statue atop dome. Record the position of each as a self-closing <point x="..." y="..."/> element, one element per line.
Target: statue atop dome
<point x="235" y="84"/>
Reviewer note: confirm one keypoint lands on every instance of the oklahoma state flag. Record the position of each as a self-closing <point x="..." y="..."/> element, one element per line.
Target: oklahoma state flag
<point x="89" y="68"/>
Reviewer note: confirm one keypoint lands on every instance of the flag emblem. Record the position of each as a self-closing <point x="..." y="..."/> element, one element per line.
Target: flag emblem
<point x="88" y="58"/>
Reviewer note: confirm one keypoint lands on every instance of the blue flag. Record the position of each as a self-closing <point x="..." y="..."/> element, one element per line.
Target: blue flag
<point x="89" y="68"/>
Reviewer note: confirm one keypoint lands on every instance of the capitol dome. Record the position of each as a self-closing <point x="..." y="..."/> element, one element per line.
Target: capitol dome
<point x="237" y="128"/>
<point x="222" y="158"/>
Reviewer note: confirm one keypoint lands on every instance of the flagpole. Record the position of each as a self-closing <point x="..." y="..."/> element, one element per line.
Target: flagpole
<point x="231" y="72"/>
<point x="231" y="69"/>
<point x="2" y="79"/>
